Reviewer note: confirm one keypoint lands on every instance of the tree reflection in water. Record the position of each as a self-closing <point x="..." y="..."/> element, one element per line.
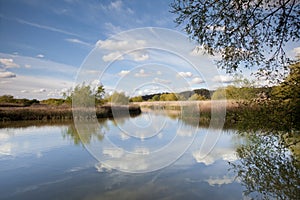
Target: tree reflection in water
<point x="267" y="168"/>
<point x="88" y="130"/>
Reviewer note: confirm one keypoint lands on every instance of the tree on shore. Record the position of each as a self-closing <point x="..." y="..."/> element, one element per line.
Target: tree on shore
<point x="85" y="95"/>
<point x="119" y="98"/>
<point x="245" y="33"/>
<point x="196" y="97"/>
<point x="168" y="97"/>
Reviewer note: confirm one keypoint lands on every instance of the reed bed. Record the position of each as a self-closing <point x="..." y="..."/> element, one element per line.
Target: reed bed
<point x="46" y="112"/>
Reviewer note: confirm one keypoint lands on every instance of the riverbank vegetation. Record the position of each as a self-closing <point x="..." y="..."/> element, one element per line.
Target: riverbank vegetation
<point x="249" y="107"/>
<point x="83" y="96"/>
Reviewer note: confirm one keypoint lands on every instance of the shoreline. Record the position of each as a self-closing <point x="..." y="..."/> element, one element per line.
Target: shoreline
<point x="62" y="113"/>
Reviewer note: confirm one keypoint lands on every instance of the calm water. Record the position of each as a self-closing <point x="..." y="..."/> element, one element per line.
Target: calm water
<point x="51" y="162"/>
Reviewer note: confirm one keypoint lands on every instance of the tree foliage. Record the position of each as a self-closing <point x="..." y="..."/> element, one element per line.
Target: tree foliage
<point x="196" y="97"/>
<point x="243" y="32"/>
<point x="136" y="99"/>
<point x="288" y="95"/>
<point x="289" y="88"/>
<point x="85" y="95"/>
<point x="119" y="98"/>
<point x="168" y="97"/>
<point x="10" y="100"/>
<point x="155" y="97"/>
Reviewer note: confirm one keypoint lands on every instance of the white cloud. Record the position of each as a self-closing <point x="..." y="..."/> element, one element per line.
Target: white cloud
<point x="120" y="45"/>
<point x="124" y="136"/>
<point x="139" y="56"/>
<point x="8" y="63"/>
<point x="198" y="50"/>
<point x="185" y="132"/>
<point x="141" y="150"/>
<point x="141" y="73"/>
<point x="158" y="73"/>
<point x="112" y="45"/>
<point x="123" y="72"/>
<point x="116" y="5"/>
<point x="7" y="75"/>
<point x="162" y="81"/>
<point x="77" y="41"/>
<point x="4" y="136"/>
<point x="197" y="80"/>
<point x="219" y="181"/>
<point x="223" y="79"/>
<point x="185" y="74"/>
<point x="40" y="56"/>
<point x="112" y="28"/>
<point x="46" y="74"/>
<point x="6" y="149"/>
<point x="226" y="154"/>
<point x="27" y="66"/>
<point x="113" y="56"/>
<point x="114" y="152"/>
<point x="296" y="51"/>
<point x="42" y="90"/>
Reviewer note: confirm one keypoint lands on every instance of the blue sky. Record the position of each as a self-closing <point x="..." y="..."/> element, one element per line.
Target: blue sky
<point x="44" y="43"/>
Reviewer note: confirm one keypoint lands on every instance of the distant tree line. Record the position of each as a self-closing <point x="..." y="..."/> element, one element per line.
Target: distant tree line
<point x="9" y="100"/>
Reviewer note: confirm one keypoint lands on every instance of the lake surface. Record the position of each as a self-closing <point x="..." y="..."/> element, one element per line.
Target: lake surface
<point x="45" y="161"/>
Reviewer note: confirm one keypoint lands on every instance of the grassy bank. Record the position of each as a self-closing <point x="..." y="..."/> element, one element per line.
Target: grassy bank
<point x="47" y="112"/>
<point x="269" y="115"/>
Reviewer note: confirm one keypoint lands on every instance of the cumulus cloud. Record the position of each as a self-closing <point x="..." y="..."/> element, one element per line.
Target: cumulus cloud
<point x="113" y="56"/>
<point x="123" y="72"/>
<point x="223" y="79"/>
<point x="139" y="56"/>
<point x="226" y="154"/>
<point x="141" y="73"/>
<point x="161" y="81"/>
<point x="120" y="45"/>
<point x="40" y="56"/>
<point x="296" y="51"/>
<point x="7" y="75"/>
<point x="8" y="63"/>
<point x="220" y="181"/>
<point x="42" y="90"/>
<point x="197" y="80"/>
<point x="185" y="74"/>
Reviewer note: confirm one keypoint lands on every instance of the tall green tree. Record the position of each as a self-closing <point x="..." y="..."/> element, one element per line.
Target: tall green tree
<point x="85" y="95"/>
<point x="243" y="32"/>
